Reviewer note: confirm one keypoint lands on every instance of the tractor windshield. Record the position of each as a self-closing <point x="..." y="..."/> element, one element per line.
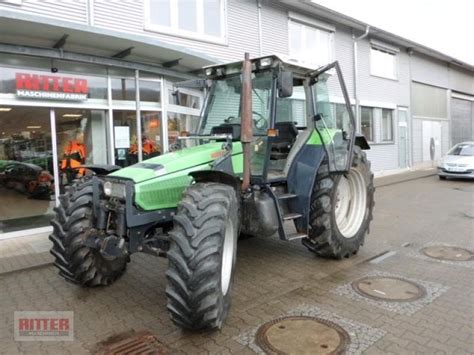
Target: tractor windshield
<point x="223" y="109"/>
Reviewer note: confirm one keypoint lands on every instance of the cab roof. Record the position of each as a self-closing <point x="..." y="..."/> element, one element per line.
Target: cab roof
<point x="277" y="60"/>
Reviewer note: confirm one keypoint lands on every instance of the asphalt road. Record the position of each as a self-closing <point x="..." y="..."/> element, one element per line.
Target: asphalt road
<point x="275" y="279"/>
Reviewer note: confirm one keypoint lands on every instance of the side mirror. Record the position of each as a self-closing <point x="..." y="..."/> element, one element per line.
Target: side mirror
<point x="285" y="84"/>
<point x="317" y="117"/>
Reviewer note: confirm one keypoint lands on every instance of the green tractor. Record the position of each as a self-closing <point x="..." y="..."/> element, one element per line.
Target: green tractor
<point x="275" y="153"/>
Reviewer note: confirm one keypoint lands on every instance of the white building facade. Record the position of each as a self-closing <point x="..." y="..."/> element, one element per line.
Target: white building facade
<point x="412" y="102"/>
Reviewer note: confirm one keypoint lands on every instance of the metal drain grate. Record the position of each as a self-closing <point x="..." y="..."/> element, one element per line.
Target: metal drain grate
<point x="449" y="253"/>
<point x="133" y="344"/>
<point x="300" y="334"/>
<point x="388" y="288"/>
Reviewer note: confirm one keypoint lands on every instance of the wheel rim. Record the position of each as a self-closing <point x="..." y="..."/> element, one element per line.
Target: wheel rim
<point x="227" y="257"/>
<point x="351" y="202"/>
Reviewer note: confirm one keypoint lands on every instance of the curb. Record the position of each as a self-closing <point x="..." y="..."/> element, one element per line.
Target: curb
<point x="22" y="262"/>
<point x="403" y="177"/>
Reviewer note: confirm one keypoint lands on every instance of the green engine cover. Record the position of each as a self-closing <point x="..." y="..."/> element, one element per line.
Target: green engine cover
<point x="160" y="181"/>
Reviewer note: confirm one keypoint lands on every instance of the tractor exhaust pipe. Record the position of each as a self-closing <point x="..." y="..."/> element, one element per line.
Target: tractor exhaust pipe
<point x="246" y="123"/>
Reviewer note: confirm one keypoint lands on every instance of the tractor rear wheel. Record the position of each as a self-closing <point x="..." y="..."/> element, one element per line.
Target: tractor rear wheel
<point x="341" y="209"/>
<point x="202" y="256"/>
<point x="76" y="262"/>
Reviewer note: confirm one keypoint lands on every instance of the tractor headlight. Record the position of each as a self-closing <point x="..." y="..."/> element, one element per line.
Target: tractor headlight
<point x="113" y="189"/>
<point x="108" y="188"/>
<point x="209" y="71"/>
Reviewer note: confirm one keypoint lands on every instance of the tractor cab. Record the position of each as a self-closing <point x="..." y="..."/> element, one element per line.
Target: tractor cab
<point x="290" y="104"/>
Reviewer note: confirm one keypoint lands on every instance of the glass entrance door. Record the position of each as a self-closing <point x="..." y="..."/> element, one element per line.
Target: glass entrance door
<point x="81" y="139"/>
<point x="26" y="168"/>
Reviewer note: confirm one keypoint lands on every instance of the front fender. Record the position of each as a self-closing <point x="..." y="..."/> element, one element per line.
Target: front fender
<point x="216" y="176"/>
<point x="101" y="169"/>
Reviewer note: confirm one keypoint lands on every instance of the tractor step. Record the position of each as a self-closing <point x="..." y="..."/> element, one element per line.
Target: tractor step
<point x="286" y="196"/>
<point x="291" y="216"/>
<point x="296" y="236"/>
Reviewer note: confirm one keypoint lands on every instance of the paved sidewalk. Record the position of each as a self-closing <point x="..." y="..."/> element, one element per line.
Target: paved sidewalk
<point x="24" y="253"/>
<point x="275" y="278"/>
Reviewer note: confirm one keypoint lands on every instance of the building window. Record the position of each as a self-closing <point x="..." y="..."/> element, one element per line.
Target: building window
<point x="367" y="122"/>
<point x="387" y="125"/>
<point x="383" y="63"/>
<point x="199" y="19"/>
<point x="310" y="44"/>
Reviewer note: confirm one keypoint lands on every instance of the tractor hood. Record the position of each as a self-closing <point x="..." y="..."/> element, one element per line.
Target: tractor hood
<point x="169" y="163"/>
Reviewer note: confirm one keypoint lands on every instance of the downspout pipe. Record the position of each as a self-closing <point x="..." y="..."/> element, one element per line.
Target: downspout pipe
<point x="259" y="16"/>
<point x="356" y="74"/>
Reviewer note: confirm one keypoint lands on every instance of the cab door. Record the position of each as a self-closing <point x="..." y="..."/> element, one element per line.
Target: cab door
<point x="333" y="116"/>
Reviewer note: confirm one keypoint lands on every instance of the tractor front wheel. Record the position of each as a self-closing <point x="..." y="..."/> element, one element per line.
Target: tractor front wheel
<point x="202" y="256"/>
<point x="76" y="262"/>
<point x="341" y="209"/>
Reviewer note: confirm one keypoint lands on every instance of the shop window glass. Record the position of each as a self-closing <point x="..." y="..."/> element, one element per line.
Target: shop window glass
<point x="367" y="122"/>
<point x="125" y="137"/>
<point x="181" y="125"/>
<point x="26" y="168"/>
<point x="123" y="89"/>
<point x="150" y="91"/>
<point x="81" y="138"/>
<point x="152" y="141"/>
<point x="183" y="99"/>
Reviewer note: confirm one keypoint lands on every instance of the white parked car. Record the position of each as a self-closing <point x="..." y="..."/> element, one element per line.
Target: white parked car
<point x="458" y="163"/>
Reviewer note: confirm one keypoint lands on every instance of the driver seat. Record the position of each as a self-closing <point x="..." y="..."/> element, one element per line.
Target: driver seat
<point x="281" y="145"/>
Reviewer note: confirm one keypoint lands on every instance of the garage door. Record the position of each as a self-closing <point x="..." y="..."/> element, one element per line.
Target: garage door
<point x="462" y="119"/>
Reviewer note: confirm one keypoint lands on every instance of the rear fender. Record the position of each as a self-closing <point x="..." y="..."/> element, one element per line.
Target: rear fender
<point x="361" y="141"/>
<point x="301" y="177"/>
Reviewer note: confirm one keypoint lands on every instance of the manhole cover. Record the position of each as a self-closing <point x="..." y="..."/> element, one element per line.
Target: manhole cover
<point x="387" y="288"/>
<point x="131" y="343"/>
<point x="448" y="253"/>
<point x="302" y="335"/>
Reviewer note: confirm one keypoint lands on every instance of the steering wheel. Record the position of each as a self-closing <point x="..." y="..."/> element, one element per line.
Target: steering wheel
<point x="259" y="123"/>
<point x="230" y="119"/>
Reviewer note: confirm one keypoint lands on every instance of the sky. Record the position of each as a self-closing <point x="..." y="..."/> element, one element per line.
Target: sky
<point x="446" y="26"/>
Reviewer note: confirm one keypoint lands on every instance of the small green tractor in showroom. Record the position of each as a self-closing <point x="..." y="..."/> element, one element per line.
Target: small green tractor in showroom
<point x="275" y="154"/>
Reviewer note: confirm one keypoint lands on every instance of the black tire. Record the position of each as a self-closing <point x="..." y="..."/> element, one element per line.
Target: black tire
<point x="325" y="238"/>
<point x="76" y="262"/>
<point x="196" y="299"/>
<point x="442" y="177"/>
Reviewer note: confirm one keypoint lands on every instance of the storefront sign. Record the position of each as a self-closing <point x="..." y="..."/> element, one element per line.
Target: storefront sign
<point x="52" y="87"/>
